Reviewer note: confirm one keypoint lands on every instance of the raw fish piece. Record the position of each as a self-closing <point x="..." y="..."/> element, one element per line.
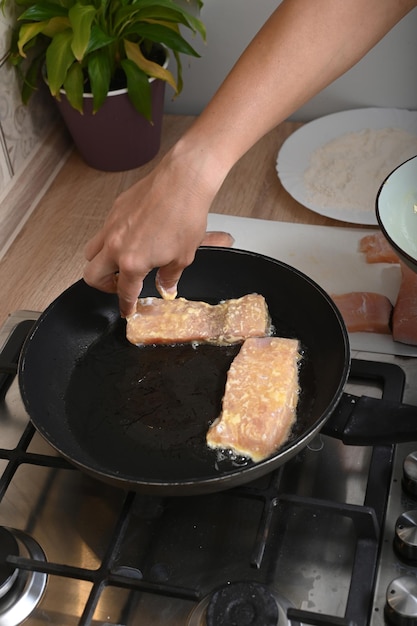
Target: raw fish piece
<point x="178" y="321"/>
<point x="404" y="318"/>
<point x="364" y="311"/>
<point x="377" y="249"/>
<point x="260" y="399"/>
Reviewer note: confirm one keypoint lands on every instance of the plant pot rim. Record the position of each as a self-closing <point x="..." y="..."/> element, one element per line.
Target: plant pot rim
<point x="115" y="92"/>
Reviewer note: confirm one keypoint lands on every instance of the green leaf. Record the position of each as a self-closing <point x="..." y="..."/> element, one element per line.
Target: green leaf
<point x="162" y="9"/>
<point x="81" y="17"/>
<point x="99" y="39"/>
<point x="99" y="73"/>
<point x="44" y="11"/>
<point x="164" y="35"/>
<point x="138" y="88"/>
<point x="49" y="28"/>
<point x="59" y="58"/>
<point x="27" y="33"/>
<point x="56" y="25"/>
<point x="128" y="14"/>
<point x="180" y="82"/>
<point x="195" y="24"/>
<point x="133" y="53"/>
<point x="74" y="86"/>
<point x="57" y="3"/>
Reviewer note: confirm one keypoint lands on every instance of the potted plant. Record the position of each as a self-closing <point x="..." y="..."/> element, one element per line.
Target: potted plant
<point x="92" y="52"/>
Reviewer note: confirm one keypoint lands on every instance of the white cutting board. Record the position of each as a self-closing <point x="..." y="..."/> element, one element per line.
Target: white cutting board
<point x="329" y="256"/>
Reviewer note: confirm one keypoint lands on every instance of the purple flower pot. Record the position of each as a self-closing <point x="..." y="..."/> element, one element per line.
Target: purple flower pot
<point x="117" y="137"/>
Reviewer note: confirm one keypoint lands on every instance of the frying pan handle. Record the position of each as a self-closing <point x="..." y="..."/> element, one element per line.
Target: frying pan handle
<point x="365" y="421"/>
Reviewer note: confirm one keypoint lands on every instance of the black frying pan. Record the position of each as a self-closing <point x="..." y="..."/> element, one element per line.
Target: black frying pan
<point x="137" y="417"/>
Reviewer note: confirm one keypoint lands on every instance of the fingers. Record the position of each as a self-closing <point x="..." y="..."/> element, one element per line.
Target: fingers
<point x="101" y="276"/>
<point x="167" y="289"/>
<point x="130" y="279"/>
<point x="218" y="238"/>
<point x="94" y="246"/>
<point x="99" y="272"/>
<point x="167" y="277"/>
<point x="128" y="290"/>
<point x="103" y="273"/>
<point x="126" y="279"/>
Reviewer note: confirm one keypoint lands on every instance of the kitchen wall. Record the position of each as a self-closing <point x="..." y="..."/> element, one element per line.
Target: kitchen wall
<point x="21" y="127"/>
<point x="32" y="144"/>
<point x="385" y="77"/>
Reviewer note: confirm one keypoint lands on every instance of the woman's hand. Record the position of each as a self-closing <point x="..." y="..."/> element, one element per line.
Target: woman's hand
<point x="159" y="222"/>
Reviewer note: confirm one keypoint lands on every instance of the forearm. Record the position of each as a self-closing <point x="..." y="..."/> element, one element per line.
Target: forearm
<point x="161" y="220"/>
<point x="303" y="47"/>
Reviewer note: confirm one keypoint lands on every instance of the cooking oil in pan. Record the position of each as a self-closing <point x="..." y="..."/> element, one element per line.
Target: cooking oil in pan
<point x="127" y="402"/>
<point x="146" y="410"/>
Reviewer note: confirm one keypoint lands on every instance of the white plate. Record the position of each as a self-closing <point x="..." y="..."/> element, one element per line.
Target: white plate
<point x="294" y="156"/>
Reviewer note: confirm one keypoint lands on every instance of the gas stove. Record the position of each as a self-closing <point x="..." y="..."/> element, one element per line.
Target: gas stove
<point x="327" y="539"/>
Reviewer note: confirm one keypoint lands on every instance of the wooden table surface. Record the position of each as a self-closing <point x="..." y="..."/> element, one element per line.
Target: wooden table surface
<point x="47" y="255"/>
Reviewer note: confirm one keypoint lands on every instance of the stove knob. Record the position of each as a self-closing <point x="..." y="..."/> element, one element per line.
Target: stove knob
<point x="405" y="538"/>
<point x="401" y="604"/>
<point x="410" y="474"/>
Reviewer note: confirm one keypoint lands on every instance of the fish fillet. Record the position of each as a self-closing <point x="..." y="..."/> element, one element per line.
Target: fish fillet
<point x="160" y="321"/>
<point x="260" y="399"/>
<point x="404" y="318"/>
<point x="364" y="311"/>
<point x="377" y="249"/>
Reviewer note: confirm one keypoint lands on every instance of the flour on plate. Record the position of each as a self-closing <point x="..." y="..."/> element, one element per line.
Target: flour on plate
<point x="348" y="171"/>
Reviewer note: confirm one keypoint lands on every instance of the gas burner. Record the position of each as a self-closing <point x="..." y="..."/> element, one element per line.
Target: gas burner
<point x="245" y="603"/>
<point x="8" y="573"/>
<point x="242" y="603"/>
<point x="20" y="590"/>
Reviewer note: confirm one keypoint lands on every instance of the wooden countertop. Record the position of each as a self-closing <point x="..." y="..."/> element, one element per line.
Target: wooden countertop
<point x="47" y="255"/>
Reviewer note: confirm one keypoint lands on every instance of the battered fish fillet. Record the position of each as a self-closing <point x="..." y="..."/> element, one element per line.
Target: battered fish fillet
<point x="160" y="321"/>
<point x="260" y="400"/>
